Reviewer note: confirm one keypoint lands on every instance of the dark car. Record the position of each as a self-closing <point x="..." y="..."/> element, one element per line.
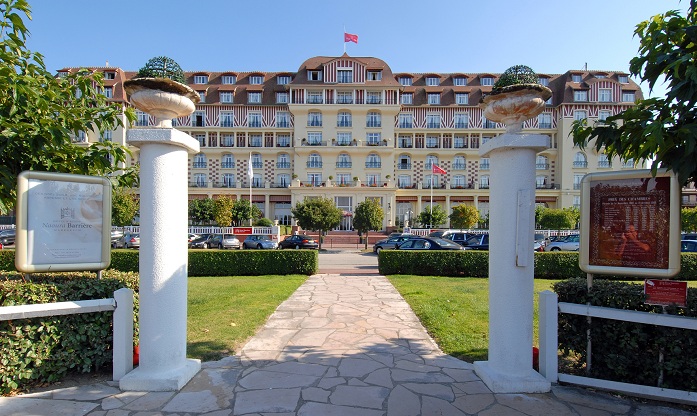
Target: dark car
<point x="204" y="241"/>
<point x="429" y="243"/>
<point x="477" y="242"/>
<point x="459" y="237"/>
<point x="298" y="241"/>
<point x="391" y="242"/>
<point x="688" y="246"/>
<point x="689" y="236"/>
<point x="7" y="237"/>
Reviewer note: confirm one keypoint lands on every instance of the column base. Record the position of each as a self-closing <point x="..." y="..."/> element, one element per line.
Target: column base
<point x="172" y="380"/>
<point x="497" y="382"/>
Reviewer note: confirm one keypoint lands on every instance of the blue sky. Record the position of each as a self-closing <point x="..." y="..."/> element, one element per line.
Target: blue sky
<point x="551" y="36"/>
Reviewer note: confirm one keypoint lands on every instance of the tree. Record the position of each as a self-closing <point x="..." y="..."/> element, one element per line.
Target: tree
<point x="662" y="129"/>
<point x="317" y="214"/>
<point x="464" y="216"/>
<point x="428" y="219"/>
<point x="201" y="211"/>
<point x="241" y="214"/>
<point x="40" y="113"/>
<point x="222" y="211"/>
<point x="368" y="216"/>
<point x="124" y="206"/>
<point x="556" y="219"/>
<point x="263" y="222"/>
<point x="688" y="219"/>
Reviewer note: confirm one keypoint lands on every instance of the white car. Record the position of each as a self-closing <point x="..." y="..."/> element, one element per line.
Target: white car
<point x="570" y="243"/>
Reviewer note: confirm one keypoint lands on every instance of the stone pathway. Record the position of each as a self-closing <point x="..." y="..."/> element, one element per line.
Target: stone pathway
<point x="340" y="345"/>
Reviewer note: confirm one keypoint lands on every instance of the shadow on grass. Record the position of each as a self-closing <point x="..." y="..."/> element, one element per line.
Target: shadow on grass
<point x="471" y="355"/>
<point x="208" y="350"/>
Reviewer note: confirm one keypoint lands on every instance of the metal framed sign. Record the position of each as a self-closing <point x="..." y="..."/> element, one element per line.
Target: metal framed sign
<point x="630" y="223"/>
<point x="63" y="222"/>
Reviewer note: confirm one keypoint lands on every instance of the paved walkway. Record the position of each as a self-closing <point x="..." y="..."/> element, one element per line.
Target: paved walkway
<point x="340" y="345"/>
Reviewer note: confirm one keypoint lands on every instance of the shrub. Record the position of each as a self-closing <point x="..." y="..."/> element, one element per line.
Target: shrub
<point x="252" y="262"/>
<point x="468" y="263"/>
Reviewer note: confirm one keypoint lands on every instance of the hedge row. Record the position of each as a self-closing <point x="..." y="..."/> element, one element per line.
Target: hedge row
<point x="41" y="350"/>
<point x="625" y="351"/>
<point x="216" y="262"/>
<point x="472" y="263"/>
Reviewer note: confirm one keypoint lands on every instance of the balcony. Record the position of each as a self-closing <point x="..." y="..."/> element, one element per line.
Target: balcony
<point x="373" y="124"/>
<point x="344" y="124"/>
<point x="547" y="186"/>
<point x="227" y="142"/>
<point x="314" y="100"/>
<point x="432" y="125"/>
<point x="460" y="145"/>
<point x="314" y="123"/>
<point x="224" y="184"/>
<point x="462" y="125"/>
<point x="255" y="143"/>
<point x="227" y="165"/>
<point x="483" y="186"/>
<point x="406" y="125"/>
<point x="427" y="185"/>
<point x="375" y="143"/>
<point x="198" y="184"/>
<point x="544" y="125"/>
<point x="541" y="166"/>
<point x="255" y="184"/>
<point x="314" y="143"/>
<point x="314" y="164"/>
<point x="580" y="164"/>
<point x="484" y="166"/>
<point x="283" y="124"/>
<point x="280" y="185"/>
<point x="373" y="165"/>
<point x="373" y="100"/>
<point x="432" y="145"/>
<point x="344" y="100"/>
<point x="283" y="165"/>
<point x="199" y="165"/>
<point x="459" y="166"/>
<point x="283" y="143"/>
<point x="404" y="166"/>
<point x="604" y="164"/>
<point x="406" y="185"/>
<point x="313" y="184"/>
<point x="254" y="124"/>
<point x="226" y="123"/>
<point x="344" y="165"/>
<point x="404" y="144"/>
<point x="461" y="186"/>
<point x="344" y="143"/>
<point x="257" y="165"/>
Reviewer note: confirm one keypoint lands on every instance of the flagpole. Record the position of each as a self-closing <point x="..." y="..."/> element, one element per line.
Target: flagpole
<point x="344" y="38"/>
<point x="431" y="222"/>
<point x="251" y="177"/>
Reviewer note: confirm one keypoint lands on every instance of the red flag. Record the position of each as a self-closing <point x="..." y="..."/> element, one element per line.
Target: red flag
<point x="438" y="170"/>
<point x="350" y="38"/>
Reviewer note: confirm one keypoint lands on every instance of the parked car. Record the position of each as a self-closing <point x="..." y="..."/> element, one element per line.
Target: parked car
<point x="429" y="243"/>
<point x="391" y="242"/>
<point x="298" y="241"/>
<point x="192" y="237"/>
<point x="224" y="241"/>
<point x="128" y="240"/>
<point x="477" y="242"/>
<point x="459" y="237"/>
<point x="570" y="243"/>
<point x="259" y="241"/>
<point x="7" y="237"/>
<point x="688" y="246"/>
<point x="204" y="241"/>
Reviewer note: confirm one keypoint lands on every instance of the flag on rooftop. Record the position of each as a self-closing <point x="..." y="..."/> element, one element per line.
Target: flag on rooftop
<point x="250" y="172"/>
<point x="350" y="38"/>
<point x="438" y="170"/>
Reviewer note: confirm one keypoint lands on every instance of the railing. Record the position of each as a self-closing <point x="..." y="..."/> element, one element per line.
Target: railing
<point x="541" y="166"/>
<point x="406" y="186"/>
<point x="199" y="165"/>
<point x="406" y="125"/>
<point x="198" y="185"/>
<point x="282" y="124"/>
<point x="549" y="310"/>
<point x="228" y="184"/>
<point x="257" y="165"/>
<point x="283" y="165"/>
<point x="227" y="165"/>
<point x="284" y="143"/>
<point x="314" y="143"/>
<point x="344" y="124"/>
<point x="580" y="164"/>
<point x="373" y="124"/>
<point x="484" y="166"/>
<point x="373" y="165"/>
<point x="404" y="166"/>
<point x="406" y="145"/>
<point x="604" y="164"/>
<point x="462" y="125"/>
<point x="459" y="166"/>
<point x="122" y="306"/>
<point x="344" y="143"/>
<point x="462" y="186"/>
<point x="344" y="164"/>
<point x="314" y="164"/>
<point x="544" y="125"/>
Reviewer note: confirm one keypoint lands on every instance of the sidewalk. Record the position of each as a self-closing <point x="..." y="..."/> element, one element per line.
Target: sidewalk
<point x="340" y="345"/>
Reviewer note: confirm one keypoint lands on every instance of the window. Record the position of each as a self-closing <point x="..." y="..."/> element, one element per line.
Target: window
<point x="462" y="98"/>
<point x="198" y="119"/>
<point x="229" y="79"/>
<point x="344" y="76"/>
<point x="283" y="119"/>
<point x="283" y="80"/>
<point x="405" y="142"/>
<point x="343" y="138"/>
<point x="373" y="119"/>
<point x="226" y="96"/>
<point x="227" y="140"/>
<point x="577" y="181"/>
<point x="462" y="120"/>
<point x="226" y="119"/>
<point x="257" y="161"/>
<point x="432" y="142"/>
<point x="201" y="139"/>
<point x="628" y="164"/>
<point x="432" y="121"/>
<point x="344" y="97"/>
<point x="343" y="161"/>
<point x="314" y="179"/>
<point x="314" y="75"/>
<point x="432" y="81"/>
<point x="81" y="137"/>
<point x="487" y="81"/>
<point x="580" y="160"/>
<point x="314" y="138"/>
<point x="314" y="119"/>
<point x="628" y="96"/>
<point x="406" y="120"/>
<point x="623" y="79"/>
<point x="373" y="97"/>
<point x="228" y="180"/>
<point x="343" y="179"/>
<point x="580" y="115"/>
<point x="605" y="95"/>
<point x="407" y="98"/>
<point x="603" y="161"/>
<point x="484" y="182"/>
<point x="228" y="161"/>
<point x="603" y="115"/>
<point x="344" y="119"/>
<point x="541" y="163"/>
<point x="374" y="75"/>
<point x="430" y="161"/>
<point x="544" y="121"/>
<point x="460" y="81"/>
<point x="373" y="179"/>
<point x="283" y="180"/>
<point x="254" y="120"/>
<point x="256" y="79"/>
<point x="484" y="163"/>
<point x="458" y="182"/>
<point x="543" y="81"/>
<point x="202" y="96"/>
<point x="486" y="139"/>
<point x="141" y="118"/>
<point x="200" y="180"/>
<point x="254" y="97"/>
<point x="110" y="75"/>
<point x="580" y="95"/>
<point x="488" y="124"/>
<point x="460" y="142"/>
<point x="282" y="98"/>
<point x="373" y="161"/>
<point x="373" y="139"/>
<point x="314" y="160"/>
<point x="283" y="161"/>
<point x="200" y="79"/>
<point x="257" y="181"/>
<point x="404" y="162"/>
<point x="405" y="81"/>
<point x="200" y="161"/>
<point x="404" y="181"/>
<point x="431" y="181"/>
<point x="540" y="182"/>
<point x="576" y="78"/>
<point x="459" y="163"/>
<point x="283" y="140"/>
<point x="314" y="97"/>
<point x="434" y="98"/>
<point x="106" y="135"/>
<point x="108" y="92"/>
<point x="255" y="140"/>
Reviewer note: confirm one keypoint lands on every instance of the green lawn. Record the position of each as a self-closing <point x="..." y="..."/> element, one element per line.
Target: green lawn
<point x="224" y="312"/>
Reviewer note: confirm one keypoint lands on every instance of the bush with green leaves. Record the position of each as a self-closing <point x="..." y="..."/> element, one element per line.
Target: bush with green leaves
<point x="516" y="75"/>
<point x="252" y="262"/>
<point x="162" y="67"/>
<point x="469" y="263"/>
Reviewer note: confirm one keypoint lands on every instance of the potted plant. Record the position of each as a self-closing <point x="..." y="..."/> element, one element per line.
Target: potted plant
<point x="158" y="89"/>
<point x="516" y="96"/>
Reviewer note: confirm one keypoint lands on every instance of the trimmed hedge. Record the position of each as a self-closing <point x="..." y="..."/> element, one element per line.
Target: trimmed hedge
<point x="625" y="351"/>
<point x="44" y="349"/>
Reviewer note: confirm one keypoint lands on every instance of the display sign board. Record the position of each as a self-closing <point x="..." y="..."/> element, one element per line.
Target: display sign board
<point x="665" y="292"/>
<point x="63" y="222"/>
<point x="630" y="223"/>
<point x="242" y="230"/>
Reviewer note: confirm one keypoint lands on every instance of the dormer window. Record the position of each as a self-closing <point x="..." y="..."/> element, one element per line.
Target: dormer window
<point x="200" y="79"/>
<point x="543" y="81"/>
<point x="576" y="78"/>
<point x="283" y="79"/>
<point x="63" y="74"/>
<point x="202" y="96"/>
<point x="432" y="81"/>
<point x="374" y="75"/>
<point x="623" y="79"/>
<point x="460" y="81"/>
<point x="314" y="75"/>
<point x="344" y="76"/>
<point x="487" y="81"/>
<point x="405" y="81"/>
<point x="110" y="75"/>
<point x="256" y="79"/>
<point x="229" y="79"/>
<point x="600" y="76"/>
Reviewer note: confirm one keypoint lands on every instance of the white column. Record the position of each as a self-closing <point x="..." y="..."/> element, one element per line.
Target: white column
<point x="163" y="261"/>
<point x="511" y="228"/>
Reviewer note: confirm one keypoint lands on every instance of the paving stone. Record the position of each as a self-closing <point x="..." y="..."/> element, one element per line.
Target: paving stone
<point x="267" y="400"/>
<point x="200" y="401"/>
<point x="461" y="375"/>
<point x="432" y="389"/>
<point x="311" y="337"/>
<point x="587" y="411"/>
<point x="402" y="402"/>
<point x="412" y="366"/>
<point x="353" y="367"/>
<point x="472" y="387"/>
<point x="321" y="409"/>
<point x="307" y="369"/>
<point x="436" y="406"/>
<point x="150" y="401"/>
<point x="261" y="379"/>
<point x="370" y="397"/>
<point x="381" y="377"/>
<point x="85" y="393"/>
<point x="417" y="377"/>
<point x="115" y="412"/>
<point x="357" y="382"/>
<point x="658" y="410"/>
<point x="315" y="394"/>
<point x="499" y="410"/>
<point x="534" y="404"/>
<point x="11" y="406"/>
<point x="591" y="399"/>
<point x="474" y="403"/>
<point x="329" y="382"/>
<point x="270" y="339"/>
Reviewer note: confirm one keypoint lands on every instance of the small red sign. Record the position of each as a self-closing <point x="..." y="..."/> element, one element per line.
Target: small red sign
<point x="665" y="292"/>
<point x="242" y="230"/>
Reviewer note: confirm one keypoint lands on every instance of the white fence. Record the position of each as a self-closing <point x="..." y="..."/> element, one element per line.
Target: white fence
<point x="273" y="231"/>
<point x="121" y="304"/>
<point x="549" y="361"/>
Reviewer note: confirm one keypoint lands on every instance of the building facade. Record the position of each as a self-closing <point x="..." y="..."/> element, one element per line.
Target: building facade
<point x="350" y="128"/>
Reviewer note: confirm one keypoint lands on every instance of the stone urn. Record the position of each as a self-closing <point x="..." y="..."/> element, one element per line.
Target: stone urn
<point x="161" y="97"/>
<point x="513" y="104"/>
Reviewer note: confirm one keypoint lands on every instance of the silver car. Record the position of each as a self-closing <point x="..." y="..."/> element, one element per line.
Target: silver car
<point x="570" y="243"/>
<point x="224" y="241"/>
<point x="259" y="241"/>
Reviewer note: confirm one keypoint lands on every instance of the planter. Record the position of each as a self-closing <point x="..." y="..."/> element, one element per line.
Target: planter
<point x="136" y="355"/>
<point x="161" y="97"/>
<point x="514" y="104"/>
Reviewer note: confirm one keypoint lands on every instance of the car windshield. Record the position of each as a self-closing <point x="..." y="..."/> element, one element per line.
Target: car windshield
<point x="473" y="240"/>
<point x="263" y="238"/>
<point x="445" y="243"/>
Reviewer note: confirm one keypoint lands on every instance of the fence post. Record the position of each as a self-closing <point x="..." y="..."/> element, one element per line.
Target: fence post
<point x="549" y="338"/>
<point x="123" y="333"/>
